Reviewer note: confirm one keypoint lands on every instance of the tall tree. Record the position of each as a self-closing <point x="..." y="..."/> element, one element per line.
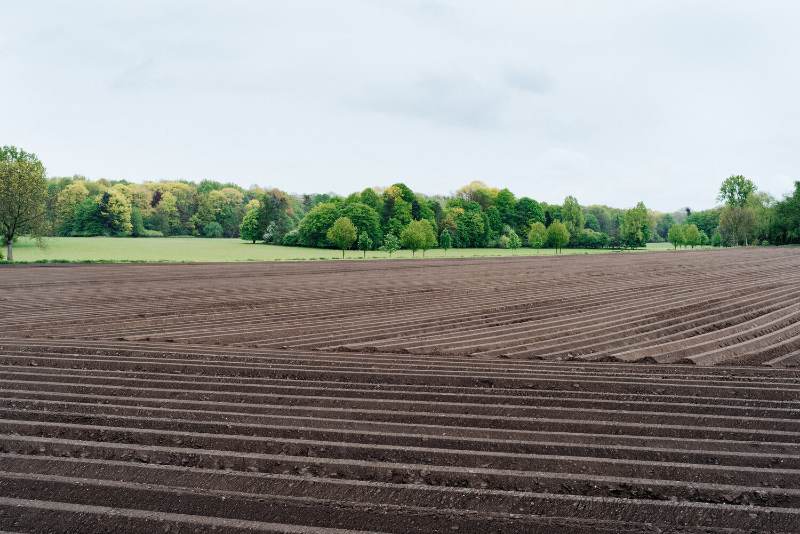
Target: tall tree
<point x="572" y="215"/>
<point x="23" y="196"/>
<point x="635" y="229"/>
<point x="249" y="230"/>
<point x="735" y="190"/>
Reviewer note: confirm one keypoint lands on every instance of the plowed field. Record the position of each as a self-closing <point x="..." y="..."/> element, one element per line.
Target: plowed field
<point x="530" y="395"/>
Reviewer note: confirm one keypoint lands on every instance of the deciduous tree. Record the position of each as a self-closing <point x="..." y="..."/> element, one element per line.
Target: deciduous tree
<point x="342" y="234"/>
<point x="23" y="195"/>
<point x="537" y="237"/>
<point x="557" y="235"/>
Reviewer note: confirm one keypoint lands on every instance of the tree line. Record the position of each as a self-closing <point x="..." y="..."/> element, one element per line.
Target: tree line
<point x="388" y="218"/>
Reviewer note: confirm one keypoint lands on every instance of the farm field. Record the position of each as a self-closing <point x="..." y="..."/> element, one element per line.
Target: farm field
<point x="195" y="249"/>
<point x="635" y="393"/>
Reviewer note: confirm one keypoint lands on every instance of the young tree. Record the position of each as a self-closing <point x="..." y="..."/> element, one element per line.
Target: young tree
<point x="23" y="195"/>
<point x="418" y="235"/>
<point x="342" y="234"/>
<point x="364" y="243"/>
<point x="391" y="244"/>
<point x="691" y="235"/>
<point x="557" y="235"/>
<point x="445" y="241"/>
<point x="514" y="242"/>
<point x="675" y="235"/>
<point x="537" y="236"/>
<point x="249" y="227"/>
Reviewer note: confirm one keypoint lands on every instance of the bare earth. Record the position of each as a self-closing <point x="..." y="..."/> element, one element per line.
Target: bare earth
<point x="531" y="395"/>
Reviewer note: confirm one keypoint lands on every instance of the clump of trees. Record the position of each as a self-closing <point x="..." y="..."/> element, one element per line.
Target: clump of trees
<point x="476" y="215"/>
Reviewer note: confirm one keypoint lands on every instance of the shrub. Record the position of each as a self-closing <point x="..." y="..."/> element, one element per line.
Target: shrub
<point x="291" y="239"/>
<point x="212" y="229"/>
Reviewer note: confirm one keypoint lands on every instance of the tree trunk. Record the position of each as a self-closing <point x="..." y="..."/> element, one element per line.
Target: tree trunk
<point x="342" y="253"/>
<point x="9" y="251"/>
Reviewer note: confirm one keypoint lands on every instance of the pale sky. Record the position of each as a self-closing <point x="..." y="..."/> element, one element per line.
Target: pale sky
<point x="612" y="102"/>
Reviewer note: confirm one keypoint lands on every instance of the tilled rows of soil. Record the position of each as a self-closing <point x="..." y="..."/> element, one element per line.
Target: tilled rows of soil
<point x="707" y="308"/>
<point x="530" y="395"/>
<point x="100" y="436"/>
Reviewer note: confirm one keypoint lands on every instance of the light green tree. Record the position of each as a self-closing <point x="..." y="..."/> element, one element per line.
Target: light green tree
<point x="557" y="235"/>
<point x="418" y="235"/>
<point x="537" y="237"/>
<point x="364" y="243"/>
<point x="675" y="235"/>
<point x="23" y="196"/>
<point x="115" y="212"/>
<point x="691" y="235"/>
<point x="342" y="234"/>
<point x="248" y="230"/>
<point x="514" y="242"/>
<point x="68" y="199"/>
<point x="572" y="215"/>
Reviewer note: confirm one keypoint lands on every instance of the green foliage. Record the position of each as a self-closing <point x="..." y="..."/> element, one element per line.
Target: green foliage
<point x="445" y="240"/>
<point x="276" y="210"/>
<point x="635" y="229"/>
<point x="137" y="222"/>
<point x="342" y="234"/>
<point x="66" y="203"/>
<point x="526" y="212"/>
<point x="785" y="227"/>
<point x="391" y="244"/>
<point x="588" y="238"/>
<point x="675" y="235"/>
<point x="365" y="218"/>
<point x="364" y="242"/>
<point x="592" y="223"/>
<point x="707" y="220"/>
<point x="115" y="213"/>
<point x="557" y="235"/>
<point x="418" y="235"/>
<point x="665" y="222"/>
<point x="572" y="216"/>
<point x="691" y="235"/>
<point x="736" y="224"/>
<point x="313" y="229"/>
<point x="249" y="229"/>
<point x="212" y="229"/>
<point x="23" y="196"/>
<point x="537" y="237"/>
<point x="735" y="190"/>
<point x="514" y="242"/>
<point x="506" y="204"/>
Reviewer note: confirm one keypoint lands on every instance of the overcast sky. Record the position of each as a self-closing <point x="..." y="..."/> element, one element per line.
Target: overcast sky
<point x="613" y="102"/>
